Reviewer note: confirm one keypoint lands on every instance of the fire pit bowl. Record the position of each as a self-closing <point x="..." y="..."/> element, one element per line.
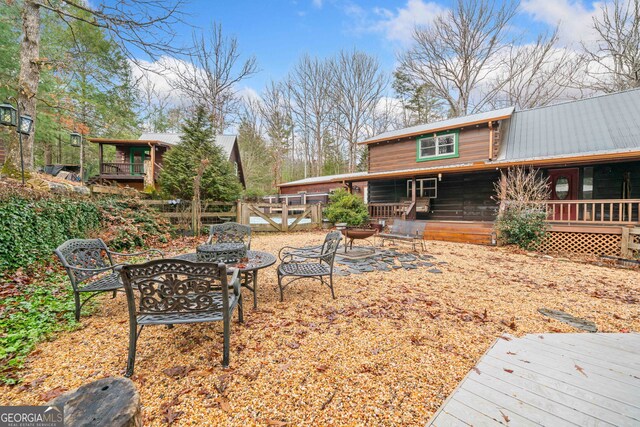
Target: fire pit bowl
<point x="358" y="232"/>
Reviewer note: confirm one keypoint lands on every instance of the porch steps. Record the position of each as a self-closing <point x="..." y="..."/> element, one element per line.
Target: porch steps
<point x="476" y="232"/>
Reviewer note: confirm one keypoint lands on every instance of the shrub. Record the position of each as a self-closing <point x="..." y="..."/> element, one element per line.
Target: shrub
<point x="346" y="207"/>
<point x="524" y="227"/>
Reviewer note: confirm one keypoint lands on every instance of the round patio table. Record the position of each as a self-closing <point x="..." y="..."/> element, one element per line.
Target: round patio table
<point x="256" y="260"/>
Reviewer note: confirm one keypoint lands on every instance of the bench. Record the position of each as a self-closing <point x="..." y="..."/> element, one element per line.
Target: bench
<point x="405" y="231"/>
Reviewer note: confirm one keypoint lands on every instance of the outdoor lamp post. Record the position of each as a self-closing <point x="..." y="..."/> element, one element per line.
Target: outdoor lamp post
<point x="77" y="140"/>
<point x="10" y="116"/>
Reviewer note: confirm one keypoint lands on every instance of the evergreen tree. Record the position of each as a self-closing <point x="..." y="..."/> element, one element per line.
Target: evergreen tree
<point x="180" y="164"/>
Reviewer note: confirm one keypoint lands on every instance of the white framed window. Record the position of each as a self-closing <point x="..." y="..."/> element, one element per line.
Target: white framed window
<point x="425" y="187"/>
<point x="438" y="146"/>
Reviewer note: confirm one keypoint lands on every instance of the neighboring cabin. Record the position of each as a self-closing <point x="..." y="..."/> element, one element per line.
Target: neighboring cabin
<point x="139" y="161"/>
<point x="317" y="189"/>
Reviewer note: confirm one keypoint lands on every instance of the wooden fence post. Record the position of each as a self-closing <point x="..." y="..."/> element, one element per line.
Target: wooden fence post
<point x="285" y="216"/>
<point x="625" y="250"/>
<point x="239" y="212"/>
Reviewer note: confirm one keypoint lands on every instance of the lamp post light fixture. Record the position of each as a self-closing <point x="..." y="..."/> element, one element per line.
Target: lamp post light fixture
<point x="76" y="140"/>
<point x="10" y="116"/>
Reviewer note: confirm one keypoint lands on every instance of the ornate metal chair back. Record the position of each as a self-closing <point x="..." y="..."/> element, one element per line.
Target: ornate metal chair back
<point x="230" y="232"/>
<point x="176" y="287"/>
<point x="330" y="246"/>
<point x="83" y="253"/>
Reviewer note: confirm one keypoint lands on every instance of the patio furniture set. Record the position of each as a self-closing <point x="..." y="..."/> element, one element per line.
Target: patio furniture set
<point x="203" y="286"/>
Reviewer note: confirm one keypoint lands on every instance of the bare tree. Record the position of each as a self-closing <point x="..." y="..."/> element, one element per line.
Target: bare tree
<point x="212" y="73"/>
<point x="614" y="60"/>
<point x="310" y="84"/>
<point x="536" y="74"/>
<point x="278" y="124"/>
<point x="357" y="87"/>
<point x="460" y="51"/>
<point x="137" y="25"/>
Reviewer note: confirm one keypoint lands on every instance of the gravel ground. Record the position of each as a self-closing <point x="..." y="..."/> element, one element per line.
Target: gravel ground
<point x="387" y="351"/>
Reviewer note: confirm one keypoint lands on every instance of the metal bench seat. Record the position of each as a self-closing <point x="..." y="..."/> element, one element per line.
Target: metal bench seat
<point x="304" y="269"/>
<point x="195" y="317"/>
<point x="110" y="282"/>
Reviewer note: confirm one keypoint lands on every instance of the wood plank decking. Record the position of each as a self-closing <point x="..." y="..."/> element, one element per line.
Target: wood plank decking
<point x="550" y="380"/>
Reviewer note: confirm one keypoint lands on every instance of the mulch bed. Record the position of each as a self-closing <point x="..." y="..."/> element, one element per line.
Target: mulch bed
<point x="387" y="351"/>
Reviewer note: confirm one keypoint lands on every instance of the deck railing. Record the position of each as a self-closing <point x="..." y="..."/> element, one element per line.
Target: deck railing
<point x="126" y="168"/>
<point x="390" y="210"/>
<point x="603" y="211"/>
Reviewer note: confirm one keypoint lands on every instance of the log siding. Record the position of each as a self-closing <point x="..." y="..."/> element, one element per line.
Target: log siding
<point x="473" y="146"/>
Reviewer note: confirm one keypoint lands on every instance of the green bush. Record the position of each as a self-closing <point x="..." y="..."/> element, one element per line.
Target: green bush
<point x="524" y="227"/>
<point x="346" y="207"/>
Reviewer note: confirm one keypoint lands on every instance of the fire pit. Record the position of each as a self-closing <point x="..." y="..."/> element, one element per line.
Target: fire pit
<point x="358" y="232"/>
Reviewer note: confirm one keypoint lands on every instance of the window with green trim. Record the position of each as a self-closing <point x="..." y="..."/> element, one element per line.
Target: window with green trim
<point x="438" y="146"/>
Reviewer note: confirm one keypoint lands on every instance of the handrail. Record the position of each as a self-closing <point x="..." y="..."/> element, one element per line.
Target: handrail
<point x="122" y="168"/>
<point x="594" y="211"/>
<point x="390" y="210"/>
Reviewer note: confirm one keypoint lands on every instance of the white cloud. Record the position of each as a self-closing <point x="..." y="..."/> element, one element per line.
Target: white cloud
<point x="317" y="3"/>
<point x="575" y="18"/>
<point x="398" y="25"/>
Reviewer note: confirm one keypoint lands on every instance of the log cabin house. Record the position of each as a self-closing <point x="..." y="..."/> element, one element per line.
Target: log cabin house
<point x="445" y="172"/>
<point x="139" y="161"/>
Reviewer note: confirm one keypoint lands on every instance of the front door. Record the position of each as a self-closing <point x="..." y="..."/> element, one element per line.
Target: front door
<point x="138" y="156"/>
<point x="564" y="186"/>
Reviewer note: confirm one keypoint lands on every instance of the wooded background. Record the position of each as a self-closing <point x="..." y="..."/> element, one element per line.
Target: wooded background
<point x="76" y="66"/>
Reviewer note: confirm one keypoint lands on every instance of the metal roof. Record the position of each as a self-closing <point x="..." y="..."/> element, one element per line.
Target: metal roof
<point x="601" y="124"/>
<point x="326" y="178"/>
<point x="442" y="125"/>
<point x="224" y="141"/>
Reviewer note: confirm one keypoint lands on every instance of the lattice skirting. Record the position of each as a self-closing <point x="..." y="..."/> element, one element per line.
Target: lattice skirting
<point x="581" y="243"/>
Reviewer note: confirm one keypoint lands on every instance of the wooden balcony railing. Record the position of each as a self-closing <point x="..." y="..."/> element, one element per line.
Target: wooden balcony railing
<point x="607" y="212"/>
<point x="390" y="210"/>
<point x="122" y="169"/>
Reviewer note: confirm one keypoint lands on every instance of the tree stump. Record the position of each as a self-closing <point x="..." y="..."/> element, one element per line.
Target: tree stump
<point x="107" y="402"/>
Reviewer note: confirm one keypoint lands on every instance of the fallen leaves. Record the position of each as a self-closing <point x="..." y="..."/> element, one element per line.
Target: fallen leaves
<point x="52" y="394"/>
<point x="580" y="369"/>
<point x="178" y="371"/>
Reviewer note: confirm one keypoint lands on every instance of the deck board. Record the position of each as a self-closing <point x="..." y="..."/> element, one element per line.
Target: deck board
<point x="535" y="380"/>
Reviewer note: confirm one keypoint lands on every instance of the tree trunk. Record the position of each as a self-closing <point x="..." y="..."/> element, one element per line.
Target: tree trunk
<point x="28" y="82"/>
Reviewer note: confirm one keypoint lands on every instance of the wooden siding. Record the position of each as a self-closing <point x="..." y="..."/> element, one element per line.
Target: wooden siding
<point x="473" y="146"/>
<point x="608" y="180"/>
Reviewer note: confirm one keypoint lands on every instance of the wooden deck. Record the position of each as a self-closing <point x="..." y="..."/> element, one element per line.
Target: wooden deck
<point x="476" y="232"/>
<point x="550" y="380"/>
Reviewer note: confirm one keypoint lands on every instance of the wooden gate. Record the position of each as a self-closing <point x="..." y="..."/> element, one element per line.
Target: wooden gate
<point x="279" y="216"/>
<point x="630" y="242"/>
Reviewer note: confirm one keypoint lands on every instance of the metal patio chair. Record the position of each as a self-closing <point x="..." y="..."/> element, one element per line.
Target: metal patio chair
<point x="309" y="262"/>
<point x="230" y="232"/>
<point x="171" y="291"/>
<point x="87" y="262"/>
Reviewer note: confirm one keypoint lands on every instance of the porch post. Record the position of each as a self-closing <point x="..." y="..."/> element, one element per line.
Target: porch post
<point x="152" y="166"/>
<point x="350" y="187"/>
<point x="503" y="191"/>
<point x="100" y="155"/>
<point x="413" y="189"/>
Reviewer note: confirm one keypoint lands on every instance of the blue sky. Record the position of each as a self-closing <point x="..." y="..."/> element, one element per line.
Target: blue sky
<point x="279" y="32"/>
